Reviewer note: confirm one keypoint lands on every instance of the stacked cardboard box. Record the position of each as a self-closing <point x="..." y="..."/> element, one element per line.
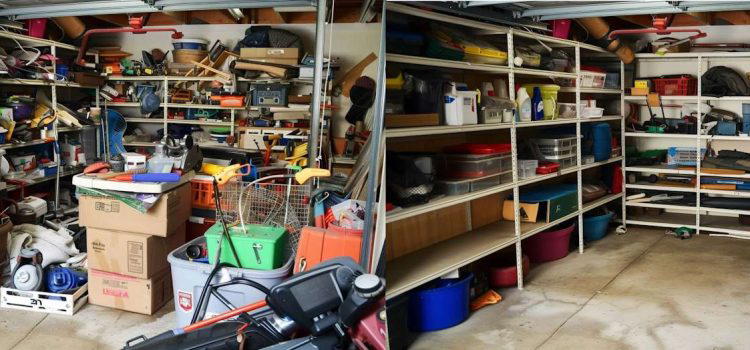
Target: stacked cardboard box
<point x="127" y="249"/>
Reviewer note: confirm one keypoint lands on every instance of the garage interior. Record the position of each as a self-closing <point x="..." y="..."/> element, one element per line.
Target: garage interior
<point x="577" y="183"/>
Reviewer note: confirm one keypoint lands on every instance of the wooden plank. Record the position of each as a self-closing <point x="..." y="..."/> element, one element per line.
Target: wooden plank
<point x="487" y="210"/>
<point x="412" y="234"/>
<point x="411" y="120"/>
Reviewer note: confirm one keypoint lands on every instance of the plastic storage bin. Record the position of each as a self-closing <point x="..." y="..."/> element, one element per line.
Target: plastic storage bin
<point x="466" y="167"/>
<point x="404" y="43"/>
<point x="592" y="112"/>
<point x="527" y="168"/>
<point x="681" y="86"/>
<point x="612" y="80"/>
<point x="507" y="274"/>
<point x="566" y="110"/>
<point x="595" y="227"/>
<point x="440" y="304"/>
<point x="683" y="156"/>
<point x="590" y="79"/>
<point x="548" y="245"/>
<point x="477" y="54"/>
<point x="602" y="135"/>
<point x="480" y="184"/>
<point x="188" y="278"/>
<point x="453" y="187"/>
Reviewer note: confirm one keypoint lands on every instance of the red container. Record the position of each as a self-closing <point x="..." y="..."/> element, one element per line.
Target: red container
<point x="36" y="27"/>
<point x="547" y="168"/>
<point x="561" y="28"/>
<point x="507" y="276"/>
<point x="478" y="148"/>
<point x="682" y="86"/>
<point x="548" y="245"/>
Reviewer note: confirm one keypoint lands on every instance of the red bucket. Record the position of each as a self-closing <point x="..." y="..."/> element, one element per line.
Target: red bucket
<point x="507" y="275"/>
<point x="36" y="27"/>
<point x="548" y="245"/>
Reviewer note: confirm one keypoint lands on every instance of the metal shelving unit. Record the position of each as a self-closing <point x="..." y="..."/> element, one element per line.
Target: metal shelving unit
<point x="413" y="269"/>
<point x="702" y="219"/>
<point x="53" y="85"/>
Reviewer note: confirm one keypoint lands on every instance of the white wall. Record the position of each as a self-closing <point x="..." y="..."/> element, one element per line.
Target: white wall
<point x="349" y="41"/>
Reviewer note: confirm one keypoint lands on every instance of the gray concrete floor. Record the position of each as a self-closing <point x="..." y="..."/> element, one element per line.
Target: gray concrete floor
<point x="638" y="291"/>
<point x="642" y="290"/>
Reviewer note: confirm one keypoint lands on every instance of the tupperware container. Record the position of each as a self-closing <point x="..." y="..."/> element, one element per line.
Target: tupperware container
<point x="469" y="167"/>
<point x="480" y="184"/>
<point x="440" y="304"/>
<point x="592" y="112"/>
<point x="595" y="227"/>
<point x="566" y="110"/>
<point x="548" y="245"/>
<point x="453" y="187"/>
<point x="527" y="168"/>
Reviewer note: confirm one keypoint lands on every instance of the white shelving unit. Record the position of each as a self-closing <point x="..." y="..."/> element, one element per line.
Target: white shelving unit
<point x="53" y="85"/>
<point x="703" y="219"/>
<point x="231" y="123"/>
<point x="413" y="269"/>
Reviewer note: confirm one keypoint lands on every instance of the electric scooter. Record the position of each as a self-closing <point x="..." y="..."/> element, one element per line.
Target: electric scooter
<point x="335" y="305"/>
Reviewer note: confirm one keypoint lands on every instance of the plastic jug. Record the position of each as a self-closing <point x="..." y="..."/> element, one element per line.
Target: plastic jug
<point x="537" y="106"/>
<point x="159" y="162"/>
<point x="523" y="103"/>
<point x="460" y="105"/>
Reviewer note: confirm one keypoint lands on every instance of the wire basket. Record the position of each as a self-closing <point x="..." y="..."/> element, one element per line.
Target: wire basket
<point x="272" y="204"/>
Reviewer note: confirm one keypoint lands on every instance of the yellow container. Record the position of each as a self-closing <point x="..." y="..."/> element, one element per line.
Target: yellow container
<point x="476" y="54"/>
<point x="396" y="82"/>
<point x="549" y="98"/>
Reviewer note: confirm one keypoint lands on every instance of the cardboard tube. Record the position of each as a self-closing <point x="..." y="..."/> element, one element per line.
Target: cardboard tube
<point x="72" y="26"/>
<point x="598" y="28"/>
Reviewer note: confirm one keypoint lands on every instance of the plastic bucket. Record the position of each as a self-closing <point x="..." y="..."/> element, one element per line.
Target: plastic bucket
<point x="595" y="227"/>
<point x="36" y="27"/>
<point x="549" y="98"/>
<point x="507" y="275"/>
<point x="188" y="278"/>
<point x="548" y="245"/>
<point x="440" y="304"/>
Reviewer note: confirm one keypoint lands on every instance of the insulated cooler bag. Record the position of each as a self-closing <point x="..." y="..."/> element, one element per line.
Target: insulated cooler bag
<point x="318" y="244"/>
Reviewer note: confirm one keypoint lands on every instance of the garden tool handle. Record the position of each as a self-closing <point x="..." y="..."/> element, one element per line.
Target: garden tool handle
<point x="305" y="174"/>
<point x="231" y="171"/>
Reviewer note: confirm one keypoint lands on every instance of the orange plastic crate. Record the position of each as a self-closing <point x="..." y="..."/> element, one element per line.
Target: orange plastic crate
<point x="202" y="192"/>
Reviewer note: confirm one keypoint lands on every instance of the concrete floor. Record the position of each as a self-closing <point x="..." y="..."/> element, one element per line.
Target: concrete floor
<point x="638" y="291"/>
<point x="642" y="290"/>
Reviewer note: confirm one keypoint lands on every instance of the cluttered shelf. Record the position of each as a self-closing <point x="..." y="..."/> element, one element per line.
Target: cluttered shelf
<point x="443" y="202"/>
<point x="144" y="120"/>
<point x="38" y="180"/>
<point x="592" y="90"/>
<point x="199" y="122"/>
<point x="40" y="82"/>
<point x="668" y="220"/>
<point x="25" y="144"/>
<point x="601" y="201"/>
<point x="416" y="268"/>
<point x="32" y="41"/>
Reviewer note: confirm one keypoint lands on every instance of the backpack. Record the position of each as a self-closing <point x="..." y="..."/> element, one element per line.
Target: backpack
<point x="723" y="81"/>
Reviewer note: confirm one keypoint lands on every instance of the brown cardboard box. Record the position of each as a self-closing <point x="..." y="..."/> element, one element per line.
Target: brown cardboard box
<point x="131" y="254"/>
<point x="144" y="296"/>
<point x="280" y="55"/>
<point x="169" y="212"/>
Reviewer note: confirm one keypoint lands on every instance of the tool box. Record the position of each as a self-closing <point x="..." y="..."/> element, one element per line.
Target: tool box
<point x="258" y="247"/>
<point x="270" y="94"/>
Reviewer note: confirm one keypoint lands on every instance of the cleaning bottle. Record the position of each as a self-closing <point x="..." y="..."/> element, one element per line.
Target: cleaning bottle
<point x="523" y="103"/>
<point x="537" y="105"/>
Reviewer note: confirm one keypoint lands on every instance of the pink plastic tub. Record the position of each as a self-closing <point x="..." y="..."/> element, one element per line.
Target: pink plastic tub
<point x="36" y="27"/>
<point x="548" y="245"/>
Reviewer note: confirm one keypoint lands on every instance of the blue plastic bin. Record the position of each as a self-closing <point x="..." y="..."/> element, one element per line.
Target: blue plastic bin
<point x="595" y="227"/>
<point x="440" y="304"/>
<point x="602" y="136"/>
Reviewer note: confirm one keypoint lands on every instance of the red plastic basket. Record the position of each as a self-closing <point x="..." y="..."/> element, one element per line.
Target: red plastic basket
<point x="681" y="86"/>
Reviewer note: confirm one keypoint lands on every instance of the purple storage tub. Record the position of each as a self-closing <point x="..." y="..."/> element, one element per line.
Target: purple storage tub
<point x="548" y="245"/>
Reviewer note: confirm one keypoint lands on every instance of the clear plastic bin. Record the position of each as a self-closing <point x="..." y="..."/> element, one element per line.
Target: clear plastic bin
<point x="592" y="112"/>
<point x="557" y="141"/>
<point x="453" y="187"/>
<point x="480" y="184"/>
<point x="566" y="110"/>
<point x="473" y="166"/>
<point x="527" y="168"/>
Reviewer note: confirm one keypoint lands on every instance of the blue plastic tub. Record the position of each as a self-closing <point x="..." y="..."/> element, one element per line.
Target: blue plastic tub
<point x="440" y="304"/>
<point x="595" y="227"/>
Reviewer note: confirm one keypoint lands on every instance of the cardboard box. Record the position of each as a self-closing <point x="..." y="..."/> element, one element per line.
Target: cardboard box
<point x="170" y="212"/>
<point x="131" y="254"/>
<point x="144" y="296"/>
<point x="280" y="55"/>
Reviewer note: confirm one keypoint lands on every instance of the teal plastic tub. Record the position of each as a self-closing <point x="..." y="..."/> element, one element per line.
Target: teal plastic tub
<point x="595" y="227"/>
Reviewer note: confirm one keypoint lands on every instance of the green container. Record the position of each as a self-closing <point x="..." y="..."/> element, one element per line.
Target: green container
<point x="261" y="248"/>
<point x="438" y="49"/>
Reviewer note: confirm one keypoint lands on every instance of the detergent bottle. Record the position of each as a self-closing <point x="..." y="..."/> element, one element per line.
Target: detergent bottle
<point x="523" y="103"/>
<point x="537" y="105"/>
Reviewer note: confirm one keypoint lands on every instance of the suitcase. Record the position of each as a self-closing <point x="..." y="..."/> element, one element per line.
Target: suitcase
<point x="318" y="244"/>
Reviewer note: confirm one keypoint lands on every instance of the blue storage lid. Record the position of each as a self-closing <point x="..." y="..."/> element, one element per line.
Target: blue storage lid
<point x="543" y="194"/>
